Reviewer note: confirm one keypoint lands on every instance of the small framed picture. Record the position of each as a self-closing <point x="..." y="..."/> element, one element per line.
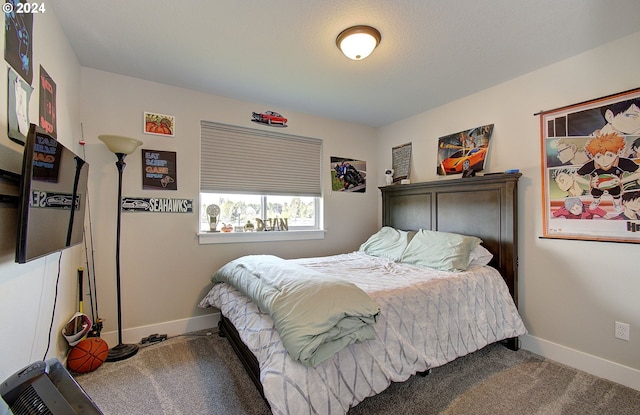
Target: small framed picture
<point x="159" y="124"/>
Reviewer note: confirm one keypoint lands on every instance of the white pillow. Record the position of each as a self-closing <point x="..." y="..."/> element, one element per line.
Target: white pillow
<point x="441" y="250"/>
<point x="480" y="256"/>
<point x="388" y="242"/>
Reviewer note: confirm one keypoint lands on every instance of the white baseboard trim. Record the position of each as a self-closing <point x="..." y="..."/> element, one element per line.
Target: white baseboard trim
<point x="594" y="365"/>
<point x="170" y="328"/>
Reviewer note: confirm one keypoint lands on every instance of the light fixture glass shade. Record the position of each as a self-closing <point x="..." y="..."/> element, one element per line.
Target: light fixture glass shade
<point x="358" y="42"/>
<point x="119" y="144"/>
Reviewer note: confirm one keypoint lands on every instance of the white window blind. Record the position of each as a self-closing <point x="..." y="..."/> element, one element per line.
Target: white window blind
<point x="244" y="160"/>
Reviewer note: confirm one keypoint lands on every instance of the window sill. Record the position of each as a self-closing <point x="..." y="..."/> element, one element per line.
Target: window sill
<point x="205" y="238"/>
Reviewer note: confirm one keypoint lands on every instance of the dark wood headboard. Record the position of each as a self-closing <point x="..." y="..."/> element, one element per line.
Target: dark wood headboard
<point x="482" y="206"/>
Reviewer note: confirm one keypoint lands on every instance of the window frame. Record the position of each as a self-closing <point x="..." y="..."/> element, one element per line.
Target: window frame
<point x="295" y="233"/>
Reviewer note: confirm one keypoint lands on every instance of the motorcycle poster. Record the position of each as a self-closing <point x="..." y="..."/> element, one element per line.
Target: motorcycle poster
<point x="348" y="175"/>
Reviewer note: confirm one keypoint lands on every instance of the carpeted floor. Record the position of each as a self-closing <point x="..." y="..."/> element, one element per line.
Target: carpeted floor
<point x="200" y="374"/>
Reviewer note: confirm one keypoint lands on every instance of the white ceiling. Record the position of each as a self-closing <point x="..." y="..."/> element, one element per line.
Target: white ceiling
<point x="282" y="53"/>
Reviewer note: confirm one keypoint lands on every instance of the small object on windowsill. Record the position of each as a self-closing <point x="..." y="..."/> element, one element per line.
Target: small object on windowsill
<point x="249" y="227"/>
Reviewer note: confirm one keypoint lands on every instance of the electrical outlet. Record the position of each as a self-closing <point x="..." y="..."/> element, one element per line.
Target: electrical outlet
<point x="622" y="331"/>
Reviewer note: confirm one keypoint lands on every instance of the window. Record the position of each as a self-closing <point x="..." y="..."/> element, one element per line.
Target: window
<point x="298" y="213"/>
<point x="268" y="178"/>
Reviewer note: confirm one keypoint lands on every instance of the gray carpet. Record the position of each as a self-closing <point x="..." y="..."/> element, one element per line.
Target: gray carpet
<point x="200" y="374"/>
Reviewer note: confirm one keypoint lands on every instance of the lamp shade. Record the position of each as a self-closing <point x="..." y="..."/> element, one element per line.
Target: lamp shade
<point x="119" y="144"/>
<point x="358" y="42"/>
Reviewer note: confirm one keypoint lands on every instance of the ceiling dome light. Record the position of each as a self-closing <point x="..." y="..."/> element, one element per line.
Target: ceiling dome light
<point x="358" y="42"/>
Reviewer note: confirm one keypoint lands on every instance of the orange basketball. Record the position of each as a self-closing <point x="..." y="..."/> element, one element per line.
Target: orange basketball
<point x="87" y="355"/>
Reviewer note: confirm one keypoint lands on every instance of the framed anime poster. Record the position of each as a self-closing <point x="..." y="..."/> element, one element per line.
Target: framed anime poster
<point x="464" y="151"/>
<point x="348" y="175"/>
<point x="591" y="169"/>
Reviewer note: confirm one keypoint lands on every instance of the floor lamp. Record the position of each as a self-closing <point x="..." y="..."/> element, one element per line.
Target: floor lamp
<point x="120" y="146"/>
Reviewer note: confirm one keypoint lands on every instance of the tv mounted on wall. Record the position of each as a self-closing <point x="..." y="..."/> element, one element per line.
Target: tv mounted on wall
<point x="53" y="195"/>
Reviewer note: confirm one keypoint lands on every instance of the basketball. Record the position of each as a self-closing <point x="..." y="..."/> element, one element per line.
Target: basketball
<point x="87" y="355"/>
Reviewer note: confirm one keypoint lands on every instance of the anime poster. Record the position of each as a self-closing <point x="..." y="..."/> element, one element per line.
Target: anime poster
<point x="48" y="103"/>
<point x="591" y="171"/>
<point x="159" y="170"/>
<point x="348" y="175"/>
<point x="18" y="39"/>
<point x="18" y="97"/>
<point x="466" y="150"/>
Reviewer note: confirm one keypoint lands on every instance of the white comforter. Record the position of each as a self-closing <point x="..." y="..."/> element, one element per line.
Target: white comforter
<point x="428" y="318"/>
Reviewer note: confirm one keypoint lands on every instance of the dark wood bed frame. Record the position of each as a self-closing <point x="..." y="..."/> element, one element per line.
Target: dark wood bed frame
<point x="482" y="206"/>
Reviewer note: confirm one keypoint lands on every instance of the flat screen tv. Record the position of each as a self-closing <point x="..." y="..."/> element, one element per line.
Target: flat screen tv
<point x="53" y="196"/>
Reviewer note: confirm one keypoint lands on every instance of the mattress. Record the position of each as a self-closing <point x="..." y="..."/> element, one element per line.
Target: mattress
<point x="428" y="318"/>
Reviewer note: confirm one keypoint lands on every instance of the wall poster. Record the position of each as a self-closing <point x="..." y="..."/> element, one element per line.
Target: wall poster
<point x="466" y="150"/>
<point x="18" y="38"/>
<point x="348" y="175"/>
<point x="590" y="169"/>
<point x="159" y="124"/>
<point x="159" y="170"/>
<point x="401" y="162"/>
<point x="18" y="97"/>
<point x="48" y="103"/>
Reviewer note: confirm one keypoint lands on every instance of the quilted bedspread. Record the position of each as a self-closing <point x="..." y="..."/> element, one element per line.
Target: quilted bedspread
<point x="427" y="318"/>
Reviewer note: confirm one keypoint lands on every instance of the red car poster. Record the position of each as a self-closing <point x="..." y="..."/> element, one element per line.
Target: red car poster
<point x="466" y="150"/>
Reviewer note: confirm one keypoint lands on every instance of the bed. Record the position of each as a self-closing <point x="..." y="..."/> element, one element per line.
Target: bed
<point x="464" y="311"/>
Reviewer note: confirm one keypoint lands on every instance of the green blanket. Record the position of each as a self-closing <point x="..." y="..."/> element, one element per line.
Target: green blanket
<point x="316" y="315"/>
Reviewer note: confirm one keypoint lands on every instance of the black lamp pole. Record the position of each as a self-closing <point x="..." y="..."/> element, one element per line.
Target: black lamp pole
<point x="121" y="351"/>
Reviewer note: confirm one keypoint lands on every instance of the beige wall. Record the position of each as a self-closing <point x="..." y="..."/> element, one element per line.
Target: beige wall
<point x="164" y="270"/>
<point x="570" y="292"/>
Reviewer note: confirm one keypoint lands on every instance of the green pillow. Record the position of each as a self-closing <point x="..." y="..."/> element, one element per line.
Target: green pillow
<point x="388" y="242"/>
<point x="441" y="250"/>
